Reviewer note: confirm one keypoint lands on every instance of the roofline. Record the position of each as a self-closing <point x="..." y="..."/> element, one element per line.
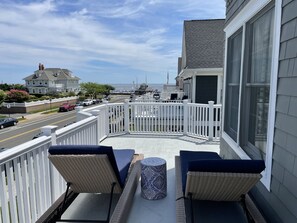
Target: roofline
<point x="195" y="20"/>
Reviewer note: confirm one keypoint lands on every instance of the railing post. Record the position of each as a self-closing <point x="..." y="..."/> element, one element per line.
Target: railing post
<point x="78" y="109"/>
<point x="126" y="116"/>
<point x="50" y="130"/>
<point x="186" y="109"/>
<point x="96" y="114"/>
<point x="106" y="115"/>
<point x="210" y="120"/>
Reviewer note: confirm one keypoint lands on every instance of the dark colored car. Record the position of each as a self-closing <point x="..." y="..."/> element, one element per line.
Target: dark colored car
<point x="5" y="122"/>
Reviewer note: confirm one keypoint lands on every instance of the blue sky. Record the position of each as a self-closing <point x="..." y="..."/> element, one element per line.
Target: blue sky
<point x="103" y="41"/>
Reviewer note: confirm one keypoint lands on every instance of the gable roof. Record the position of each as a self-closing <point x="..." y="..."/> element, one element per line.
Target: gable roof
<point x="204" y="43"/>
<point x="51" y="74"/>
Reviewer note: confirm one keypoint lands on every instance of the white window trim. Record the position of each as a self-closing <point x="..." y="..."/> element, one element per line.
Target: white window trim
<point x="249" y="11"/>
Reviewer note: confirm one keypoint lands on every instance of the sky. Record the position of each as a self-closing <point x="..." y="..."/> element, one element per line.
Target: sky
<point x="102" y="41"/>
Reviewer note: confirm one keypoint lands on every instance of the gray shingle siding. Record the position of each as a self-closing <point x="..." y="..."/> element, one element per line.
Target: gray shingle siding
<point x="280" y="203"/>
<point x="208" y="52"/>
<point x="283" y="194"/>
<point x="233" y="8"/>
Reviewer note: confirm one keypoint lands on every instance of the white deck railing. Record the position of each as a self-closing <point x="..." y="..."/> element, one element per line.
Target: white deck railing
<point x="29" y="184"/>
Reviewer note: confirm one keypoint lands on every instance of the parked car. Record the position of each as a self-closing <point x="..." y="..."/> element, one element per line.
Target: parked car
<point x="97" y="101"/>
<point x="3" y="149"/>
<point x="87" y="102"/>
<point x="5" y="122"/>
<point x="66" y="107"/>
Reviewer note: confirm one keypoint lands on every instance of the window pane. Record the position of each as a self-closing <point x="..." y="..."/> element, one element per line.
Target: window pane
<point x="232" y="85"/>
<point x="258" y="84"/>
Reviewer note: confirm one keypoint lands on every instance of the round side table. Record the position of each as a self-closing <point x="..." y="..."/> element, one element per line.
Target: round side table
<point x="153" y="178"/>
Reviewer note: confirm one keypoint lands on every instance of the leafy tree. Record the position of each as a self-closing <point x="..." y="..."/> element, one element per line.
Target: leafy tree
<point x="4" y="87"/>
<point x="108" y="88"/>
<point x="8" y="87"/>
<point x="2" y="96"/>
<point x="93" y="89"/>
<point x="17" y="96"/>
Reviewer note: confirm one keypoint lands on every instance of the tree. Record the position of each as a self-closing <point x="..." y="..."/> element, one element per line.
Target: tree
<point x="8" y="87"/>
<point x="108" y="88"/>
<point x="93" y="89"/>
<point x="17" y="96"/>
<point x="2" y="96"/>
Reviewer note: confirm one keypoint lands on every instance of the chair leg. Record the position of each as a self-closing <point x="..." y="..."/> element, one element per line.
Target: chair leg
<point x="248" y="216"/>
<point x="110" y="201"/>
<point x="65" y="197"/>
<point x="75" y="220"/>
<point x="191" y="208"/>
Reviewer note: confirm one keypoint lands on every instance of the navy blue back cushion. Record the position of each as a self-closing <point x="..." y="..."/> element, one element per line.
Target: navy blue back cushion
<point x="227" y="166"/>
<point x="212" y="162"/>
<point x="188" y="156"/>
<point x="124" y="160"/>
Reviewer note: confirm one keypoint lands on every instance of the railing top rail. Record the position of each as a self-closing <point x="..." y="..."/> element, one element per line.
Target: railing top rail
<point x="155" y="103"/>
<point x="74" y="126"/>
<point x="95" y="107"/>
<point x="113" y="104"/>
<point x="24" y="148"/>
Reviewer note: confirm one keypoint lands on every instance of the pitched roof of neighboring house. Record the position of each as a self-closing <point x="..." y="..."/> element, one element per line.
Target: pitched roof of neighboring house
<point x="204" y="43"/>
<point x="51" y="74"/>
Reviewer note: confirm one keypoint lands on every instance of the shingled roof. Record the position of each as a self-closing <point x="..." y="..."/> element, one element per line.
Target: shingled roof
<point x="51" y="74"/>
<point x="204" y="43"/>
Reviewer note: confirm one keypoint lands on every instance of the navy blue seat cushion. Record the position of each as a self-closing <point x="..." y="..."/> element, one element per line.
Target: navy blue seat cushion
<point x="188" y="156"/>
<point x="124" y="157"/>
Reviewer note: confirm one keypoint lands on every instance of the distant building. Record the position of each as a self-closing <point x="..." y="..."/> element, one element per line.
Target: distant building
<point x="50" y="80"/>
<point x="200" y="68"/>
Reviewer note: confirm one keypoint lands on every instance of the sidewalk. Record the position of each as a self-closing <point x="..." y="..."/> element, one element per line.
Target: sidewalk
<point x="28" y="116"/>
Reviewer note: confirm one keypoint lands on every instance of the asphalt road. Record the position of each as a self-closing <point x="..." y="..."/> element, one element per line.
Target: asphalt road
<point x="26" y="130"/>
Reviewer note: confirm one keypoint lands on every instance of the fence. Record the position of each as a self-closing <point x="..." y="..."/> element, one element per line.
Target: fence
<point x="29" y="183"/>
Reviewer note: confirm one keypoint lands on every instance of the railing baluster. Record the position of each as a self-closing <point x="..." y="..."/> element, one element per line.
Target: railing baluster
<point x="19" y="189"/>
<point x="11" y="191"/>
<point x="25" y="189"/>
<point x="3" y="194"/>
<point x="31" y="181"/>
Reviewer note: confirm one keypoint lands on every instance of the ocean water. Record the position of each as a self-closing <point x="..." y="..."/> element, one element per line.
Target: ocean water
<point x="131" y="87"/>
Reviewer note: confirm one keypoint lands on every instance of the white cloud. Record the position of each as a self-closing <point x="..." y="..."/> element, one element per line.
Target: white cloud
<point x="70" y="34"/>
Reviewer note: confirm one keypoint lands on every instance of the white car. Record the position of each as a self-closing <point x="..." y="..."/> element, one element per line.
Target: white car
<point x="87" y="102"/>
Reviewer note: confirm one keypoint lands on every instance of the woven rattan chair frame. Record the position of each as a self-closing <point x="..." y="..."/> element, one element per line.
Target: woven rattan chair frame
<point x="216" y="187"/>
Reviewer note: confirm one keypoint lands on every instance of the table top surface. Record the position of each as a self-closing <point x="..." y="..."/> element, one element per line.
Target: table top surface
<point x="153" y="161"/>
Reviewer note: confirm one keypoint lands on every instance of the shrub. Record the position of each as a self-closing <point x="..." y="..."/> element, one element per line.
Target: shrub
<point x="17" y="96"/>
<point x="2" y="96"/>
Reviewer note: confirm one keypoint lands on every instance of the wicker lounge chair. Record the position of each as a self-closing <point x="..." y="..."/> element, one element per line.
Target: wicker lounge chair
<point x="204" y="176"/>
<point x="94" y="169"/>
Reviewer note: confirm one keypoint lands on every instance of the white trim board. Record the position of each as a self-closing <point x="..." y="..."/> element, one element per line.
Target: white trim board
<point x="250" y="10"/>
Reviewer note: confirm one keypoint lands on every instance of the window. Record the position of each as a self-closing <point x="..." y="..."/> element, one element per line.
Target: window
<point x="256" y="85"/>
<point x="252" y="99"/>
<point x="232" y="84"/>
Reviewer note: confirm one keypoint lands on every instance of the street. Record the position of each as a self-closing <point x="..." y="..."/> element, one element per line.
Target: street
<point x="27" y="129"/>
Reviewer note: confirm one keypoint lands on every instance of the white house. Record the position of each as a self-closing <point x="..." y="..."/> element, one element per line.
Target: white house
<point x="49" y="80"/>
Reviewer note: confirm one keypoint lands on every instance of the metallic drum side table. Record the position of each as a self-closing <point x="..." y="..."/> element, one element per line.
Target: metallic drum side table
<point x="153" y="178"/>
